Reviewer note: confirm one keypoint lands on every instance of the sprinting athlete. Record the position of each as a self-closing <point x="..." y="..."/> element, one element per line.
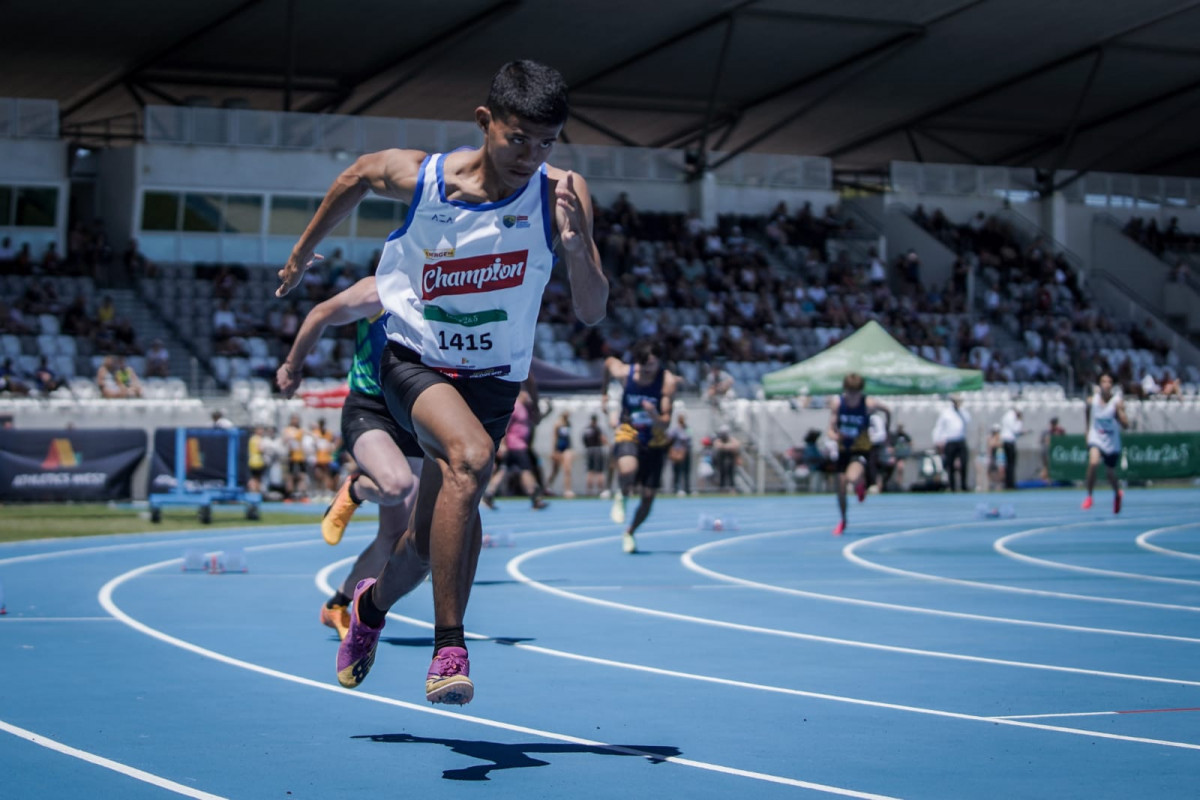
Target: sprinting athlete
<point x="850" y="427"/>
<point x="1105" y="419"/>
<point x="388" y="459"/>
<point x="462" y="280"/>
<point x="640" y="438"/>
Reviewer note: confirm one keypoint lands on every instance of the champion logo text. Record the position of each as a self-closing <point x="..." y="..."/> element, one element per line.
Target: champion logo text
<point x="473" y="275"/>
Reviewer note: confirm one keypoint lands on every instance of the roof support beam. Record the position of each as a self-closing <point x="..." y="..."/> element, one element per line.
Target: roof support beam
<point x="879" y="54"/>
<point x="991" y="89"/>
<point x="953" y="148"/>
<point x="433" y="43"/>
<point x="912" y="142"/>
<point x="116" y="80"/>
<point x="1044" y="145"/>
<point x="1150" y="130"/>
<point x="1073" y="125"/>
<point x="718" y="71"/>
<point x="831" y="19"/>
<point x="607" y="131"/>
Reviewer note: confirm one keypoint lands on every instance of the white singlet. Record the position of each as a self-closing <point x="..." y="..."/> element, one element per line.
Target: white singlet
<point x="464" y="281"/>
<point x="1105" y="430"/>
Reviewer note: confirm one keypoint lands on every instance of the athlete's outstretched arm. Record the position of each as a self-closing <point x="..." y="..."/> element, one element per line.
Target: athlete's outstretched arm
<point x="389" y="173"/>
<point x="359" y="301"/>
<point x="573" y="218"/>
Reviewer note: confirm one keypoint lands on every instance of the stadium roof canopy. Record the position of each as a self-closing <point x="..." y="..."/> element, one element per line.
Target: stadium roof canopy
<point x="1108" y="85"/>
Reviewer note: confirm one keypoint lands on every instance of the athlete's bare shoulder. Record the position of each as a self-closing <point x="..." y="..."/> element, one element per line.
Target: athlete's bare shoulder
<point x="391" y="173"/>
<point x="616" y="368"/>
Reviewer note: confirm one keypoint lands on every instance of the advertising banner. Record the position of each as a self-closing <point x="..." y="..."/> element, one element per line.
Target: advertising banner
<point x="1144" y="456"/>
<point x="69" y="465"/>
<point x="207" y="454"/>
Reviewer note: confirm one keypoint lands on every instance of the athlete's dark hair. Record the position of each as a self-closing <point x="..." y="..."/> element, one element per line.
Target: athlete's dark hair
<point x="646" y="348"/>
<point x="853" y="382"/>
<point x="531" y="91"/>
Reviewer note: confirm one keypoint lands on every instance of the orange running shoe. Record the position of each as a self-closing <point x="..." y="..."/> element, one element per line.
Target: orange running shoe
<point x="840" y="529"/>
<point x="1087" y="503"/>
<point x="336" y="617"/>
<point x="337" y="516"/>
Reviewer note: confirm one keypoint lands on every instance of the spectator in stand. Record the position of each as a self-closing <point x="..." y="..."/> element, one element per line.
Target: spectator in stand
<point x="1053" y="430"/>
<point x="595" y="444"/>
<point x="289" y="325"/>
<point x="1171" y="386"/>
<point x="1149" y="386"/>
<point x="12" y="381"/>
<point x="158" y="360"/>
<point x="117" y="379"/>
<point x="23" y="261"/>
<point x="8" y="253"/>
<point x="125" y="337"/>
<point x="727" y="452"/>
<point x="46" y="378"/>
<point x="718" y="384"/>
<point x="76" y="321"/>
<point x="136" y="264"/>
<point x="679" y="453"/>
<point x="106" y="314"/>
<point x="13" y="321"/>
<point x="51" y="261"/>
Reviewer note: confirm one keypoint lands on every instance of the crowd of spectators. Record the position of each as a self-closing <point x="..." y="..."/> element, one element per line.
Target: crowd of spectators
<point x="1037" y="297"/>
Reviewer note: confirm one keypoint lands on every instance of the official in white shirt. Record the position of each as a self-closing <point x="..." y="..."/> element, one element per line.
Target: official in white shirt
<point x="1011" y="427"/>
<point x="950" y="438"/>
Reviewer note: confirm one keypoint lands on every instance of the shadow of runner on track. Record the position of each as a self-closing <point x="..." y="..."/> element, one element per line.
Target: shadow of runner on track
<point x="516" y="756"/>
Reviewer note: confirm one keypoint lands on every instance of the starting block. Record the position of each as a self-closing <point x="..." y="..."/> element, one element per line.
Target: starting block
<point x="232" y="560"/>
<point x="194" y="561"/>
<point x="711" y="522"/>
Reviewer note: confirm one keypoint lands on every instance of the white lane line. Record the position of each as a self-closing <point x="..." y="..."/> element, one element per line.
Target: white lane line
<point x="109" y="548"/>
<point x="8" y="619"/>
<point x="514" y="569"/>
<point x="849" y="552"/>
<point x="110" y="606"/>
<point x="688" y="559"/>
<point x="1144" y="542"/>
<point x="324" y="587"/>
<point x="107" y="763"/>
<point x="1001" y="547"/>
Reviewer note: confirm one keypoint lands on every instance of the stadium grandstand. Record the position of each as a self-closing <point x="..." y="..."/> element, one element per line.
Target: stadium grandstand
<point x="139" y="262"/>
<point x="897" y="252"/>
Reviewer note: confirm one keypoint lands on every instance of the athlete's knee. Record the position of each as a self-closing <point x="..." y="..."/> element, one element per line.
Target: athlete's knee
<point x="469" y="459"/>
<point x="395" y="484"/>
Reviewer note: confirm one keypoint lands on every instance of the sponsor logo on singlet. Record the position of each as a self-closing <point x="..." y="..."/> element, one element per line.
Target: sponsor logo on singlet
<point x="435" y="254"/>
<point x="473" y="275"/>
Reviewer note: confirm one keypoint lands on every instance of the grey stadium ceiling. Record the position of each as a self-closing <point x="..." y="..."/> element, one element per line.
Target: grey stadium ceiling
<point x="1109" y="85"/>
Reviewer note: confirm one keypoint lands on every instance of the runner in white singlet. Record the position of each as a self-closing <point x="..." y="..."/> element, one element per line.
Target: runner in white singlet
<point x="1105" y="418"/>
<point x="462" y="280"/>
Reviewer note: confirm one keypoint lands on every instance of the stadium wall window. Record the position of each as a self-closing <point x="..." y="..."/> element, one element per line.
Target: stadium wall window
<point x="202" y="213"/>
<point x="378" y="218"/>
<point x="289" y="215"/>
<point x="36" y="206"/>
<point x="6" y="205"/>
<point x="243" y="214"/>
<point x="160" y="211"/>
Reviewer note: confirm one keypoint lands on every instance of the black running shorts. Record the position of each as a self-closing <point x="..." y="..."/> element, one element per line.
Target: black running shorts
<point x="403" y="378"/>
<point x="364" y="412"/>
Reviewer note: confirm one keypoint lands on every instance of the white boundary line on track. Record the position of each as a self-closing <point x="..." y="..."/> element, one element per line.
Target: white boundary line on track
<point x="9" y="619"/>
<point x="514" y="569"/>
<point x="1144" y="541"/>
<point x="106" y="601"/>
<point x="849" y="552"/>
<point x="101" y="761"/>
<point x="688" y="560"/>
<point x="325" y="588"/>
<point x="1001" y="547"/>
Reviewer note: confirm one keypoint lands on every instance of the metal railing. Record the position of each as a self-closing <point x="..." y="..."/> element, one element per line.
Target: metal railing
<point x="26" y="118"/>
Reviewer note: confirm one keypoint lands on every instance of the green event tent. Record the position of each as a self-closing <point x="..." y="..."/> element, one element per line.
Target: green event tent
<point x="887" y="366"/>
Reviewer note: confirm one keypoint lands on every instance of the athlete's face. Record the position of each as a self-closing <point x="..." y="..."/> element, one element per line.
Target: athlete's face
<point x="648" y="369"/>
<point x="517" y="147"/>
<point x="1106" y="384"/>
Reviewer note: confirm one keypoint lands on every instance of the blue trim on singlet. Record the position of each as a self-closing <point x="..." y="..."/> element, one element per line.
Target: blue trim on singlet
<point x="547" y="211"/>
<point x="416" y="201"/>
<point x="441" y="183"/>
